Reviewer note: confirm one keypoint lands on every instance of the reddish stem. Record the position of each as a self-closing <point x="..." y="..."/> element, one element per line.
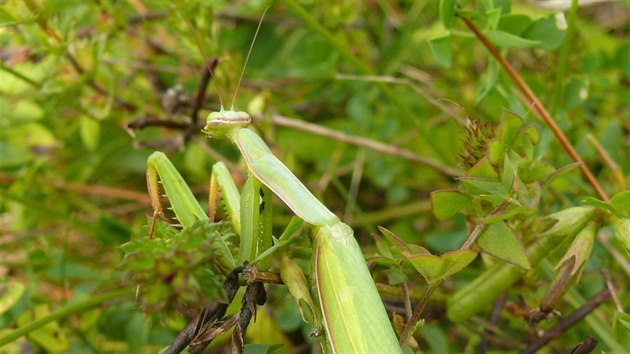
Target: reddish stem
<point x="538" y="106"/>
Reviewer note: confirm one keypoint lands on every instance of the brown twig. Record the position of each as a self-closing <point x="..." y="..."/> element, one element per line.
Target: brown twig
<point x="565" y="324"/>
<point x="105" y="191"/>
<point x="200" y="93"/>
<point x="538" y="106"/>
<point x="494" y="318"/>
<point x="614" y="167"/>
<point x="584" y="347"/>
<point x="365" y="142"/>
<point x="613" y="290"/>
<point x="252" y="274"/>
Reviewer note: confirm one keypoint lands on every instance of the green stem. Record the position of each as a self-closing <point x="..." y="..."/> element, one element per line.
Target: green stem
<point x="63" y="312"/>
<point x="411" y="323"/>
<point x="563" y="59"/>
<point x="21" y="76"/>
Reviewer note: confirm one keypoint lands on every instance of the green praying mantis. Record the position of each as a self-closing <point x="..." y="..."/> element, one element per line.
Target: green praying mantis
<point x="352" y="312"/>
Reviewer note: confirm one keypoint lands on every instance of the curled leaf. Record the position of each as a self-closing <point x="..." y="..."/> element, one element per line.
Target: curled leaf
<point x="580" y="249"/>
<point x="568" y="221"/>
<point x="436" y="268"/>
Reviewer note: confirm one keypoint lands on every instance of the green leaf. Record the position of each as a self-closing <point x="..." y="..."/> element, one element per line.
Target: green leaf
<point x="486" y="186"/>
<point x="508" y="40"/>
<point x="500" y="240"/>
<point x="622" y="58"/>
<point x="504" y="5"/>
<point x="382" y="247"/>
<point x="515" y="24"/>
<point x="397" y="244"/>
<point x="13" y="154"/>
<point x="441" y="49"/>
<point x="6" y="19"/>
<point x="568" y="221"/>
<point x="496" y="150"/>
<point x="621" y="202"/>
<point x="90" y="132"/>
<point x="490" y="81"/>
<point x="510" y="125"/>
<point x="508" y="174"/>
<point x="528" y="194"/>
<point x="436" y="268"/>
<point x="548" y="32"/>
<point x="492" y="18"/>
<point x="10" y="294"/>
<point x="111" y="231"/>
<point x="536" y="171"/>
<point x="448" y="202"/>
<point x="622" y="230"/>
<point x="483" y="169"/>
<point x="136" y="331"/>
<point x="447" y="10"/>
<point x="261" y="348"/>
<point x="592" y="201"/>
<point x="621" y="327"/>
<point x="509" y="211"/>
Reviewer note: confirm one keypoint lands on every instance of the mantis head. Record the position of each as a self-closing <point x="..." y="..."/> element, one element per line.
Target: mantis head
<point x="222" y="123"/>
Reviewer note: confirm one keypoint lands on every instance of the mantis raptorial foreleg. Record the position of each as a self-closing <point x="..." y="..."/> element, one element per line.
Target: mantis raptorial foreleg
<point x="250" y="211"/>
<point x="222" y="180"/>
<point x="161" y="172"/>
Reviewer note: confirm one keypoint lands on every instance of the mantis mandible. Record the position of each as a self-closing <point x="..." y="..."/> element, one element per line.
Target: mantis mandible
<point x="353" y="314"/>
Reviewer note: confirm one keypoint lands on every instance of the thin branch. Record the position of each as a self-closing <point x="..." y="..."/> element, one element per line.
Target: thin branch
<point x="202" y="87"/>
<point x="622" y="260"/>
<point x="614" y="167"/>
<point x="538" y="106"/>
<point x="568" y="322"/>
<point x="494" y="318"/>
<point x="411" y="322"/>
<point x="365" y="142"/>
<point x="611" y="288"/>
<point x="104" y="191"/>
<point x="20" y="76"/>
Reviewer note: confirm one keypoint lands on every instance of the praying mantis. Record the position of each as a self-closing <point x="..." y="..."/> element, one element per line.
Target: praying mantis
<point x="352" y="312"/>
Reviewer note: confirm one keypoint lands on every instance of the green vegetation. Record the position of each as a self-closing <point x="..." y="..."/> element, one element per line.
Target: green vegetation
<point x="479" y="149"/>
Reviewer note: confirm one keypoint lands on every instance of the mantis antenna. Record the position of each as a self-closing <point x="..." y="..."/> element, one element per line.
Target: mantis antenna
<point x="249" y="52"/>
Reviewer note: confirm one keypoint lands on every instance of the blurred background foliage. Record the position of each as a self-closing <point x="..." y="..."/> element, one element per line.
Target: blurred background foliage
<point x="82" y="85"/>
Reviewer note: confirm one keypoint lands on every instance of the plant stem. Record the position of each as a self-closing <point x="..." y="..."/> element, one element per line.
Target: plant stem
<point x="473" y="236"/>
<point x="603" y="154"/>
<point x="365" y="142"/>
<point x="565" y="324"/>
<point x="538" y="106"/>
<point x="411" y="323"/>
<point x="64" y="312"/>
